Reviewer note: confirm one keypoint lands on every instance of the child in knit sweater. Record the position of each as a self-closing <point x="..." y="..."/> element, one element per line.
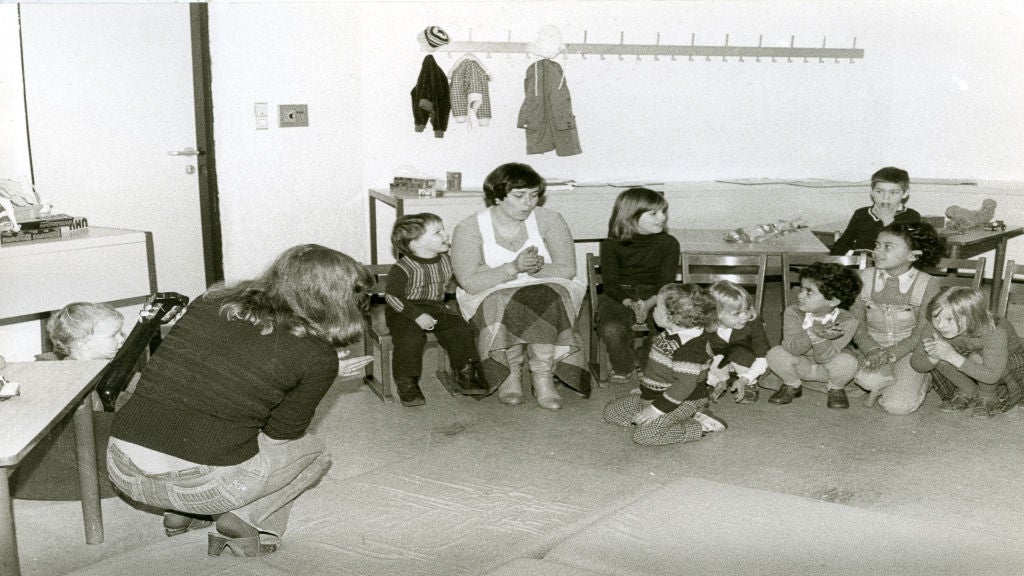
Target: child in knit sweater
<point x="975" y="361"/>
<point x="415" y="291"/>
<point x="672" y="403"/>
<point x="637" y="258"/>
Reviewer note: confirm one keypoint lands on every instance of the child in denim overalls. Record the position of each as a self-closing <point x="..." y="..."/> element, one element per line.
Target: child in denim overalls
<point x="891" y="309"/>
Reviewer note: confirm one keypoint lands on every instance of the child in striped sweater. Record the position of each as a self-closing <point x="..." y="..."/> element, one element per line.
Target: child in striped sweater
<point x="415" y="291"/>
<point x="672" y="403"/>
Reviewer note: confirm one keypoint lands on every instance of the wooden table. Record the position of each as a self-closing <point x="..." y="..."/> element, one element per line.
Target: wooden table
<point x="713" y="242"/>
<point x="49" y="391"/>
<point x="958" y="245"/>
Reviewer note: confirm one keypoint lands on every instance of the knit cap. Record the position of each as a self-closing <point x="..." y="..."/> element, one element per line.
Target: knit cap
<point x="436" y="36"/>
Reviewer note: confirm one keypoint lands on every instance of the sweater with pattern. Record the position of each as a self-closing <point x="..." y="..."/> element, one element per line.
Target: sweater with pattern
<point x="413" y="281"/>
<point x="215" y="384"/>
<point x="675" y="370"/>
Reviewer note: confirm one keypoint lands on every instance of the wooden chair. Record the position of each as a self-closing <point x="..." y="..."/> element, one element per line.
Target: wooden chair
<point x="950" y="272"/>
<point x="1009" y="294"/>
<point x="598" y="358"/>
<point x="745" y="270"/>
<point x="792" y="263"/>
<point x="377" y="342"/>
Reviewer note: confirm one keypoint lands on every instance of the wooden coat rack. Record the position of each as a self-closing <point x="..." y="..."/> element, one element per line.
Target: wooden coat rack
<point x="724" y="51"/>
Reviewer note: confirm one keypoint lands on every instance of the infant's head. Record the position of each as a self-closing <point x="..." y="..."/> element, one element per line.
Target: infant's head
<point x="86" y="331"/>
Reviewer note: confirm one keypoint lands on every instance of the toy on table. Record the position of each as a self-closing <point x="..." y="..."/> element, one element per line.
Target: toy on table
<point x="961" y="219"/>
<point x="763" y="232"/>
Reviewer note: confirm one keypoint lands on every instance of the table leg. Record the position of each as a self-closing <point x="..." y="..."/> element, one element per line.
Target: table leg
<point x="8" y="539"/>
<point x="88" y="475"/>
<point x="997" y="269"/>
<point x="373" y="230"/>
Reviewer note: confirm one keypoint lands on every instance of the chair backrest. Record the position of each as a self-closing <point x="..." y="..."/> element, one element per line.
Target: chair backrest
<point x="1008" y="295"/>
<point x="950" y="272"/>
<point x="745" y="270"/>
<point x="792" y="263"/>
<point x="380" y="277"/>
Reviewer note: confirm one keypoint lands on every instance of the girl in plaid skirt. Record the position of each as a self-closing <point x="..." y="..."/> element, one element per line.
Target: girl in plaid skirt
<point x="976" y="361"/>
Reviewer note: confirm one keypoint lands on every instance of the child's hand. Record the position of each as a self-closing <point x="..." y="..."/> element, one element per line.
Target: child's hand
<point x="647" y="415"/>
<point x="739" y="387"/>
<point x="941" y="350"/>
<point x="829" y="331"/>
<point x="875" y="359"/>
<point x="351" y="366"/>
<point x="426" y="321"/>
<point x="886" y="211"/>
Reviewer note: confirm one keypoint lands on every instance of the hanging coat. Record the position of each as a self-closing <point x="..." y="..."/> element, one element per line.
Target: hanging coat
<point x="546" y="113"/>
<point x="430" y="99"/>
<point x="470" y="94"/>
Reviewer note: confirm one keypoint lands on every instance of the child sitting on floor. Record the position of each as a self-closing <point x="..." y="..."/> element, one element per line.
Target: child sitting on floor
<point x="738" y="341"/>
<point x="673" y="399"/>
<point x="637" y="258"/>
<point x="415" y="291"/>
<point x="891" y="310"/>
<point x="815" y="333"/>
<point x="889" y="194"/>
<point x="975" y="361"/>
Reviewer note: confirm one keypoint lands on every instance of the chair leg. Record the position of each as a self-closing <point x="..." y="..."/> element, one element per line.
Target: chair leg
<point x="444" y="376"/>
<point x="380" y="348"/>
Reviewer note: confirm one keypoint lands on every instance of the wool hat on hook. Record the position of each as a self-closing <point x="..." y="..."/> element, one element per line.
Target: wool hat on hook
<point x="435" y="36"/>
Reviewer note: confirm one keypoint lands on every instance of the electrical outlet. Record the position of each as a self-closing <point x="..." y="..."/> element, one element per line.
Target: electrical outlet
<point x="293" y="115"/>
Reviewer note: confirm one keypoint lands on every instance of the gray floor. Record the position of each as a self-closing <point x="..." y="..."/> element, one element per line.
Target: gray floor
<point x="931" y="466"/>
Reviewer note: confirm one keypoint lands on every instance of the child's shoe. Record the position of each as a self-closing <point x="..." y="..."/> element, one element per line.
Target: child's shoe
<point x="786" y="394"/>
<point x="984" y="408"/>
<point x="837" y="398"/>
<point x="409" y="393"/>
<point x="709" y="422"/>
<point x="957" y="403"/>
<point x="616" y="379"/>
<point x="750" y="395"/>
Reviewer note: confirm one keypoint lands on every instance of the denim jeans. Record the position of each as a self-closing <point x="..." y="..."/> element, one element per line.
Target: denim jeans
<point x="260" y="490"/>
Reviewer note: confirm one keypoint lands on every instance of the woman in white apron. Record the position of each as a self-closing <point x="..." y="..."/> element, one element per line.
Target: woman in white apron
<point x="515" y="264"/>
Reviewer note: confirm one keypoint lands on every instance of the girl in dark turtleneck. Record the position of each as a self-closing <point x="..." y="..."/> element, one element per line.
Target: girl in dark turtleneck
<point x="637" y="259"/>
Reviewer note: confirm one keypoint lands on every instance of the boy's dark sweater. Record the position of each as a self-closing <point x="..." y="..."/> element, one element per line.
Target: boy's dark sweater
<point x="650" y="260"/>
<point x="863" y="229"/>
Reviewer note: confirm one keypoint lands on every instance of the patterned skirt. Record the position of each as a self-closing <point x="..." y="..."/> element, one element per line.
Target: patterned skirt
<point x="531" y="314"/>
<point x="1009" y="389"/>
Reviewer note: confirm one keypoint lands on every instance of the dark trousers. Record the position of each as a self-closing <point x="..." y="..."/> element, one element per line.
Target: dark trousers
<point x="739" y="354"/>
<point x="453" y="333"/>
<point x="615" y="325"/>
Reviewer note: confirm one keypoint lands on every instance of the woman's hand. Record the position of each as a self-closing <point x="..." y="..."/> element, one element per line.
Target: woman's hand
<point x="351" y="366"/>
<point x="647" y="415"/>
<point x="529" y="261"/>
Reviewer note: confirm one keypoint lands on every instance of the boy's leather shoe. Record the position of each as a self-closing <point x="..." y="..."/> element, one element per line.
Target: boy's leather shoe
<point x="409" y="393"/>
<point x="837" y="399"/>
<point x="786" y="394"/>
<point x="470" y="380"/>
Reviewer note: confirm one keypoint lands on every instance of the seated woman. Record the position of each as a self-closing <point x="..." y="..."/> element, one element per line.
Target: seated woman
<point x="216" y="428"/>
<point x="515" y="264"/>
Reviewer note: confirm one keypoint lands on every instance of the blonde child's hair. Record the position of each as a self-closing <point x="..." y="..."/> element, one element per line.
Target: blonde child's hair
<point x="76" y="322"/>
<point x="967" y="305"/>
<point x="729" y="296"/>
<point x="628" y="208"/>
<point x="687" y="305"/>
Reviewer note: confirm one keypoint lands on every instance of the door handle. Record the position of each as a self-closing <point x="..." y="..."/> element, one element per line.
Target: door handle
<point x="190" y="151"/>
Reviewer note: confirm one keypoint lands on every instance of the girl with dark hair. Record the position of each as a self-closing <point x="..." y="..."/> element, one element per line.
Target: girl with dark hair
<point x="216" y="428"/>
<point x="892" y="312"/>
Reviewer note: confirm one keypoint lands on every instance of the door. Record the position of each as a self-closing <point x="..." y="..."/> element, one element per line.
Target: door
<point x="110" y="113"/>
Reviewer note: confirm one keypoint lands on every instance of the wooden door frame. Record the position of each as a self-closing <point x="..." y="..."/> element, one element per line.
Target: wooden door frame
<point x="209" y="203"/>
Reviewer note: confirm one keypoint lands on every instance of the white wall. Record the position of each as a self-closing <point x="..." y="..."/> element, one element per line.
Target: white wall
<point x="14" y="162"/>
<point x="937" y="93"/>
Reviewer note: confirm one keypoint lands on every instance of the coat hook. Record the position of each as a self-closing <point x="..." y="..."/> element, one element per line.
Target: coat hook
<point x="791" y="39"/>
<point x="582" y="53"/>
<point x="693" y="35"/>
<point x="759" y="39"/>
<point x="726" y="46"/>
<point x="657" y="43"/>
<point x="621" y="36"/>
<point x="854" y="47"/>
<point x="820" y="59"/>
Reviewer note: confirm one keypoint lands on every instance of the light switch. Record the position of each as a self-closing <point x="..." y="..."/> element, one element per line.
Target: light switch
<point x="293" y="115"/>
<point x="262" y="122"/>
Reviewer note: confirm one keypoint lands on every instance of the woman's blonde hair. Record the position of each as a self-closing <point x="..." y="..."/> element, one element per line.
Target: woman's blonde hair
<point x="729" y="296"/>
<point x="629" y="206"/>
<point x="309" y="290"/>
<point x="967" y="305"/>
